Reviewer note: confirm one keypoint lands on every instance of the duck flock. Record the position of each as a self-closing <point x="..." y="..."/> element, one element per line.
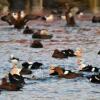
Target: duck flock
<point x="15" y="78"/>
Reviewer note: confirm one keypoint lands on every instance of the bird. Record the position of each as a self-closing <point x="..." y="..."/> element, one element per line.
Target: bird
<point x="62" y="73"/>
<point x="49" y="18"/>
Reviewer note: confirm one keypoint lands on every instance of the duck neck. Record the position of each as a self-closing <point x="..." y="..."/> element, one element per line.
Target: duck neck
<point x="80" y="63"/>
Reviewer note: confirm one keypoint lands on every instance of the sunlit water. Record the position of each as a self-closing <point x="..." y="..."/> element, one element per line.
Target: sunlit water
<point x="84" y="35"/>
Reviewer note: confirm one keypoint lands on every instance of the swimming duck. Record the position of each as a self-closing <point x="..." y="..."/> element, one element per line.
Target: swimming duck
<point x="70" y="13"/>
<point x="19" y="71"/>
<point x="96" y="19"/>
<point x="63" y="53"/>
<point x="64" y="73"/>
<point x="42" y="34"/>
<point x="36" y="44"/>
<point x="30" y="65"/>
<point x="36" y="65"/>
<point x="49" y="18"/>
<point x="58" y="54"/>
<point x="68" y="53"/>
<point x="95" y="78"/>
<point x="9" y="86"/>
<point x="16" y="79"/>
<point x="27" y="30"/>
<point x="88" y="68"/>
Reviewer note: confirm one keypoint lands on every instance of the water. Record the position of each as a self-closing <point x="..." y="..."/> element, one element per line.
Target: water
<point x="84" y="35"/>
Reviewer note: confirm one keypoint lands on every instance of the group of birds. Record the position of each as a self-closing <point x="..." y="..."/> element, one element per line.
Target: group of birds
<point x="61" y="72"/>
<point x="15" y="79"/>
<point x="37" y="34"/>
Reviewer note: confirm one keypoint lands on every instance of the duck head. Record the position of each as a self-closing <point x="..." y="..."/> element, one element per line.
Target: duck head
<point x="26" y="65"/>
<point x="78" y="52"/>
<point x="13" y="59"/>
<point x="56" y="70"/>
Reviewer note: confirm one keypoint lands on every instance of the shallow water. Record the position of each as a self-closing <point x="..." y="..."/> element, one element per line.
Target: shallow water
<point x="84" y="35"/>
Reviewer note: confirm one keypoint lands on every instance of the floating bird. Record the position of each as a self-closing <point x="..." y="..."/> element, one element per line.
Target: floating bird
<point x="96" y="19"/>
<point x="42" y="34"/>
<point x="49" y="18"/>
<point x="31" y="65"/>
<point x="36" y="44"/>
<point x="27" y="30"/>
<point x="94" y="78"/>
<point x="9" y="86"/>
<point x="62" y="73"/>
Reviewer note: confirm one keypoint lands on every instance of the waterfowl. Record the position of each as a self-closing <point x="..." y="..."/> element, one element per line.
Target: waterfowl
<point x="53" y="72"/>
<point x="89" y="68"/>
<point x="9" y="86"/>
<point x="30" y="65"/>
<point x="63" y="53"/>
<point x="42" y="34"/>
<point x="13" y="59"/>
<point x="36" y="44"/>
<point x="64" y="74"/>
<point x="36" y="65"/>
<point x="49" y="18"/>
<point x="96" y="19"/>
<point x="58" y="54"/>
<point x="68" y="53"/>
<point x="70" y="13"/>
<point x="94" y="79"/>
<point x="16" y="79"/>
<point x="27" y="30"/>
<point x="18" y="19"/>
<point x="25" y="71"/>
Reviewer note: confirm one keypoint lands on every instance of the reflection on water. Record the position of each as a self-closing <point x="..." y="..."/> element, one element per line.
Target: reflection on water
<point x="46" y="87"/>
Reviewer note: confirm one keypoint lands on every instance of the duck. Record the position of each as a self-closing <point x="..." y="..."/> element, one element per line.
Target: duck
<point x="36" y="44"/>
<point x="58" y="54"/>
<point x="25" y="71"/>
<point x="9" y="86"/>
<point x="36" y="65"/>
<point x="94" y="78"/>
<point x="88" y="68"/>
<point x="31" y="65"/>
<point x="27" y="30"/>
<point x="68" y="52"/>
<point x="18" y="19"/>
<point x="42" y="34"/>
<point x="62" y="73"/>
<point x="13" y="59"/>
<point x="49" y="18"/>
<point x="70" y="13"/>
<point x="63" y="53"/>
<point x="96" y="19"/>
<point x="16" y="79"/>
<point x="19" y="71"/>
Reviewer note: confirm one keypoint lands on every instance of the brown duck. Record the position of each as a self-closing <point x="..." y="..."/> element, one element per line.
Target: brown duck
<point x="8" y="86"/>
<point x="64" y="74"/>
